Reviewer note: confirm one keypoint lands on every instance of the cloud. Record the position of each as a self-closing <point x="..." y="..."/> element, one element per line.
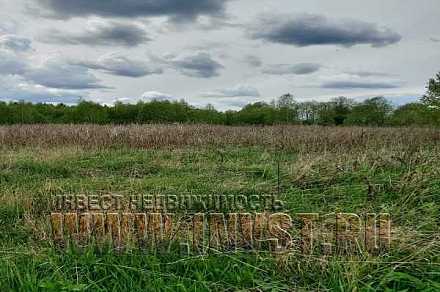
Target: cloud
<point x="362" y="73"/>
<point x="117" y="64"/>
<point x="400" y="100"/>
<point x="214" y="23"/>
<point x="101" y="33"/>
<point x="15" y="43"/>
<point x="200" y="65"/>
<point x="16" y="88"/>
<point x="159" y="96"/>
<point x="236" y="103"/>
<point x="11" y="64"/>
<point x="209" y="46"/>
<point x="8" y="26"/>
<point x="222" y="104"/>
<point x="297" y="69"/>
<point x="253" y="61"/>
<point x="176" y="9"/>
<point x="237" y="91"/>
<point x="56" y="73"/>
<point x="147" y="97"/>
<point x="358" y="85"/>
<point x="435" y="40"/>
<point x="307" y="30"/>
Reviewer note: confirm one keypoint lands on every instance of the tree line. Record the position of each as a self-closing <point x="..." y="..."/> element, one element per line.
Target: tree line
<point x="375" y="111"/>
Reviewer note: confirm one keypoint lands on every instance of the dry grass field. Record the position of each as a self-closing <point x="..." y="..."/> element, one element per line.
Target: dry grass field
<point x="312" y="169"/>
<point x="292" y="138"/>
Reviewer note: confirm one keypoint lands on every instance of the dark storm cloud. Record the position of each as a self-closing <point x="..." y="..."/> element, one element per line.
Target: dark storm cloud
<point x="176" y="9"/>
<point x="297" y="69"/>
<point x="101" y="34"/>
<point x="308" y="30"/>
<point x="122" y="66"/>
<point x="358" y="85"/>
<point x="200" y="65"/>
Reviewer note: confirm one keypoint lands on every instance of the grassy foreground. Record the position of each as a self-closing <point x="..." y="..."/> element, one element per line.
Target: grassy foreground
<point x="321" y="170"/>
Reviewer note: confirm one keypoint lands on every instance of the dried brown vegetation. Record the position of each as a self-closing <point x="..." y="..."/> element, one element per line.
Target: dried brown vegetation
<point x="295" y="138"/>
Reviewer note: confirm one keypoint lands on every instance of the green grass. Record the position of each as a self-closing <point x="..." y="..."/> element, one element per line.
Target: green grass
<point x="368" y="180"/>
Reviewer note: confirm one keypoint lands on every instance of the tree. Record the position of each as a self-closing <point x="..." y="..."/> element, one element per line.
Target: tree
<point x="335" y="112"/>
<point x="342" y="109"/>
<point x="411" y="114"/>
<point x="286" y="100"/>
<point x="308" y="112"/>
<point x="432" y="96"/>
<point x="375" y="111"/>
<point x="258" y="113"/>
<point x="90" y="112"/>
<point x="6" y="114"/>
<point x="287" y="107"/>
<point x="372" y="112"/>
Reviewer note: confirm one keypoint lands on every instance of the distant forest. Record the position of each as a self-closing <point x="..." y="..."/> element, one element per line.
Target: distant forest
<point x="376" y="111"/>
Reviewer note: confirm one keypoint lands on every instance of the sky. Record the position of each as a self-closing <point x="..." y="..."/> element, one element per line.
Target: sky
<point x="227" y="53"/>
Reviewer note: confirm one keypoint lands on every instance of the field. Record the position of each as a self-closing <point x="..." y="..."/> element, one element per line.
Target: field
<point x="312" y="169"/>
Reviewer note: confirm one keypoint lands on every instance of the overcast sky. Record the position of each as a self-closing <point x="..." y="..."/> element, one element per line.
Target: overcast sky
<point x="224" y="52"/>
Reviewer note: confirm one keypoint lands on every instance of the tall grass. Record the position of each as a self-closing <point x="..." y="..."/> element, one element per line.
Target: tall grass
<point x="296" y="138"/>
<point x="322" y="169"/>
